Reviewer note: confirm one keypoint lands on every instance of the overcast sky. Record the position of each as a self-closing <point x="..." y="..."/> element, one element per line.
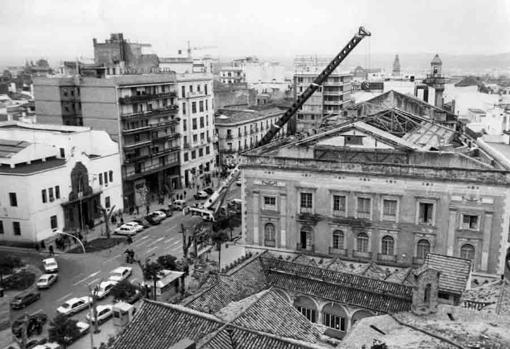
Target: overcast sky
<point x="64" y="28"/>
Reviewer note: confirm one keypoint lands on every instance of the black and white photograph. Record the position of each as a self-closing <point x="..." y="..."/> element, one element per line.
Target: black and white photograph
<point x="234" y="174"/>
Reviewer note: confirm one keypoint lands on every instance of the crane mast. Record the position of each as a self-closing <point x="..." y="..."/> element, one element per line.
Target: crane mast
<point x="302" y="98"/>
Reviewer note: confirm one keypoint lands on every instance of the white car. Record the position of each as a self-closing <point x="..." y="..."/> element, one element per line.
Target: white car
<point x="160" y="214"/>
<point x="104" y="312"/>
<point x="119" y="274"/>
<point x="74" y="305"/>
<point x="125" y="230"/>
<point x="48" y="346"/>
<point x="104" y="288"/>
<point x="50" y="265"/>
<point x="46" y="280"/>
<point x="138" y="227"/>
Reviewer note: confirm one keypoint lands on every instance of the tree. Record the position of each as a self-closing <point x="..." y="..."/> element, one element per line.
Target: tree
<point x="168" y="262"/>
<point x="62" y="330"/>
<point x="150" y="272"/>
<point x="7" y="265"/>
<point x="123" y="290"/>
<point x="106" y="216"/>
<point x="219" y="237"/>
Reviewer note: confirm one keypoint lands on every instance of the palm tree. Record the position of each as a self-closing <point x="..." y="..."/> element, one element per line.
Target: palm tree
<point x="219" y="237"/>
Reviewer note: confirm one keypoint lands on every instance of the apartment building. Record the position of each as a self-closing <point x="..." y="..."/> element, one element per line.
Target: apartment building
<point x="383" y="192"/>
<point x="138" y="111"/>
<point x="232" y="75"/>
<point x="241" y="130"/>
<point x="196" y="112"/>
<point x="330" y="99"/>
<point x="54" y="178"/>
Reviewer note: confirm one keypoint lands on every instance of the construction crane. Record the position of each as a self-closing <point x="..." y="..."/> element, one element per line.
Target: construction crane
<point x="356" y="39"/>
<point x="197" y="48"/>
<point x="209" y="211"/>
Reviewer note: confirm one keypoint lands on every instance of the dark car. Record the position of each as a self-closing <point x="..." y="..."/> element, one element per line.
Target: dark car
<point x="201" y="195"/>
<point x="152" y="220"/>
<point x="34" y="326"/>
<point x="167" y="211"/>
<point x="25" y="299"/>
<point x="143" y="222"/>
<point x="209" y="191"/>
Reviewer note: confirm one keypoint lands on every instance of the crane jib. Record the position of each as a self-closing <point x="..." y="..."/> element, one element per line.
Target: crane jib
<point x="301" y="99"/>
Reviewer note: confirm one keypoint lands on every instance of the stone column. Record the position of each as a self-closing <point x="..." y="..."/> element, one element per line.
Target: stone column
<point x="283" y="220"/>
<point x="486" y="242"/>
<point x="452" y="225"/>
<point x="255" y="211"/>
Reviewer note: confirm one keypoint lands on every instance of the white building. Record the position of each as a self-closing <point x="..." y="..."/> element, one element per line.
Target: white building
<point x="195" y="100"/>
<point x="55" y="178"/>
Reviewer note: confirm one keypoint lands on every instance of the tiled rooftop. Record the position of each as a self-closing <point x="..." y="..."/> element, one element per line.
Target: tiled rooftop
<point x="454" y="271"/>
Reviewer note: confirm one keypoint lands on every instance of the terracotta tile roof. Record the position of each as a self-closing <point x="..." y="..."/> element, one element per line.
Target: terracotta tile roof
<point x="158" y="325"/>
<point x="337" y="286"/>
<point x="230" y="288"/>
<point x="454" y="271"/>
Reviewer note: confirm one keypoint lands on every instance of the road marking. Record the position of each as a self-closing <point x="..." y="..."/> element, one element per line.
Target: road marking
<point x="140" y="243"/>
<point x="113" y="258"/>
<point x="64" y="297"/>
<point x="156" y="241"/>
<point x="152" y="249"/>
<point x="145" y="237"/>
<point x="90" y="276"/>
<point x="176" y="243"/>
<point x="93" y="281"/>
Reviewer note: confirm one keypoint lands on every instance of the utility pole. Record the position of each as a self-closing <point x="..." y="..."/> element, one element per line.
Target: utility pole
<point x="93" y="313"/>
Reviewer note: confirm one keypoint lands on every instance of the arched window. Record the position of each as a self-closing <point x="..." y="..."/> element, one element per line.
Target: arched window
<point x="334" y="316"/>
<point x="387" y="245"/>
<point x="269" y="235"/>
<point x="467" y="251"/>
<point x="423" y="248"/>
<point x="306" y="307"/>
<point x="338" y="239"/>
<point x="362" y="242"/>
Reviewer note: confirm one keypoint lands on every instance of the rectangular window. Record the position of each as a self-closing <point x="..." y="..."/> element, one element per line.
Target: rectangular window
<point x="105" y="178"/>
<point x="43" y="194"/>
<point x="13" y="199"/>
<point x="389" y="209"/>
<point x="269" y="203"/>
<point x="193" y="154"/>
<point x="334" y="321"/>
<point x="201" y="106"/>
<point x="338" y="204"/>
<point x="50" y="194"/>
<point x="195" y="138"/>
<point x="306" y="201"/>
<point x="207" y="150"/>
<point x="57" y="192"/>
<point x="363" y="209"/>
<point x="353" y="140"/>
<point x="202" y="136"/>
<point x="205" y="91"/>
<point x="193" y="107"/>
<point x="100" y="179"/>
<point x="425" y="213"/>
<point x="107" y="202"/>
<point x="201" y="121"/>
<point x="206" y="102"/>
<point x="110" y="175"/>
<point x="186" y="158"/>
<point x="16" y="228"/>
<point x="184" y="125"/>
<point x="200" y="152"/>
<point x="190" y="88"/>
<point x="53" y="222"/>
<point x="194" y="123"/>
<point x="62" y="153"/>
<point x="1" y="227"/>
<point x="469" y="222"/>
<point x="183" y="108"/>
<point x="183" y="91"/>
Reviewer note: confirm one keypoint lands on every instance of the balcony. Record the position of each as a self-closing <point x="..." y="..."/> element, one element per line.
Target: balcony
<point x="362" y="255"/>
<point x="136" y="130"/>
<point x="134" y="158"/>
<point x="195" y="94"/>
<point x="418" y="260"/>
<point x="172" y="109"/>
<point x="387" y="257"/>
<point x="134" y="174"/>
<point x="163" y="124"/>
<point x="137" y="144"/>
<point x="165" y="151"/>
<point x="332" y="92"/>
<point x="164" y="137"/>
<point x="186" y="145"/>
<point x="339" y="251"/>
<point x="146" y="97"/>
<point x="309" y="248"/>
<point x="337" y="102"/>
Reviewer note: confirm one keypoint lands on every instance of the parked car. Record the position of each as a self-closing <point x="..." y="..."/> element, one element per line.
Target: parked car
<point x="50" y="265"/>
<point x="34" y="326"/>
<point x="159" y="213"/>
<point x="104" y="289"/>
<point x="35" y="343"/>
<point x="83" y="329"/>
<point x="201" y="195"/>
<point x="134" y="297"/>
<point x="74" y="305"/>
<point x="120" y="273"/>
<point x="209" y="191"/>
<point x="104" y="312"/>
<point x="155" y="217"/>
<point x="143" y="222"/>
<point x="125" y="230"/>
<point x="48" y="346"/>
<point x="138" y="227"/>
<point x="46" y="280"/>
<point x="178" y="204"/>
<point x="22" y="300"/>
<point x="167" y="211"/>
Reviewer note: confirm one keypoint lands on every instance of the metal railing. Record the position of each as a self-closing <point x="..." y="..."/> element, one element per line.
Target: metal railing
<point x="146" y="96"/>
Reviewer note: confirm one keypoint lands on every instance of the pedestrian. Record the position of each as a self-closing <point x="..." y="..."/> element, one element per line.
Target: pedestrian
<point x="37" y="247"/>
<point x="147" y="209"/>
<point x="50" y="249"/>
<point x="137" y="210"/>
<point x="43" y="246"/>
<point x="121" y="220"/>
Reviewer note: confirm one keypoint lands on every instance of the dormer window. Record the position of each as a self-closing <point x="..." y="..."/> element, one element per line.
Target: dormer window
<point x="353" y="140"/>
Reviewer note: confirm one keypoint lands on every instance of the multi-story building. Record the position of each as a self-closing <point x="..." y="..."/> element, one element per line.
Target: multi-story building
<point x="138" y="111"/>
<point x="55" y="178"/>
<point x="330" y="99"/>
<point x="232" y="75"/>
<point x="241" y="130"/>
<point x="196" y="111"/>
<point x="390" y="189"/>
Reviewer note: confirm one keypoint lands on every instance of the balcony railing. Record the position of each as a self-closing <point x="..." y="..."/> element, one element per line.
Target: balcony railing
<point x="338" y="251"/>
<point x="134" y="174"/>
<point x="165" y="137"/>
<point x="362" y="255"/>
<point x="165" y="151"/>
<point x="308" y="248"/>
<point x="136" y="130"/>
<point x="145" y="97"/>
<point x="172" y="109"/>
<point x="137" y="144"/>
<point x="162" y="124"/>
<point x="386" y="257"/>
<point x="135" y="158"/>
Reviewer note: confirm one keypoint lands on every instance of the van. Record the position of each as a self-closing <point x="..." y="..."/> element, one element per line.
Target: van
<point x="206" y="215"/>
<point x="178" y="204"/>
